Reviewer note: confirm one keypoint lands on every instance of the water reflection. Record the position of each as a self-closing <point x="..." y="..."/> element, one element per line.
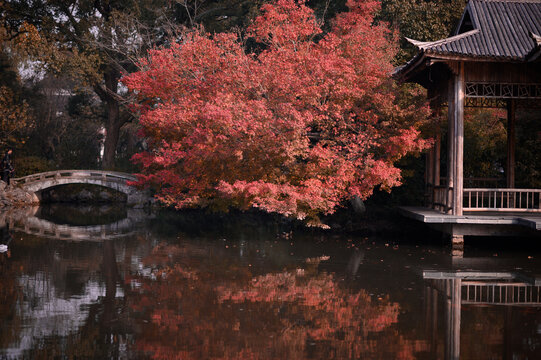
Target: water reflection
<point x="59" y="277"/>
<point x="290" y="314"/>
<point x="505" y="296"/>
<point x="180" y="287"/>
<point x="29" y="221"/>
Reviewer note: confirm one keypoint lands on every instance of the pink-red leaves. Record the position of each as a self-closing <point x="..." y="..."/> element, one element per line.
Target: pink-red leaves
<point x="296" y="129"/>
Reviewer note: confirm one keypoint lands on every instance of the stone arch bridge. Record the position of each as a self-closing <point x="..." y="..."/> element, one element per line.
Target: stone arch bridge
<point x="118" y="181"/>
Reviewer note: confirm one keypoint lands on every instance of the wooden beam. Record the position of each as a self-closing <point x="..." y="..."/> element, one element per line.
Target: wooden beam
<point x="511" y="138"/>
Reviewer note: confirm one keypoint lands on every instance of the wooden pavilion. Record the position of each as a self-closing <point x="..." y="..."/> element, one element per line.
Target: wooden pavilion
<point x="493" y="60"/>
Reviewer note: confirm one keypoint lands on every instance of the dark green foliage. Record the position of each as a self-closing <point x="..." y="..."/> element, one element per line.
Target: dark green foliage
<point x="412" y="190"/>
<point x="485" y="139"/>
<point x="129" y="144"/>
<point x="528" y="153"/>
<point x="326" y="10"/>
<point x="27" y="165"/>
<point x="217" y="15"/>
<point x="8" y="73"/>
<point x="424" y="20"/>
<point x="67" y="131"/>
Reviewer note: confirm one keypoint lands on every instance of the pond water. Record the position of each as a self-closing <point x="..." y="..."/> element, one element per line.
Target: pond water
<point x="116" y="283"/>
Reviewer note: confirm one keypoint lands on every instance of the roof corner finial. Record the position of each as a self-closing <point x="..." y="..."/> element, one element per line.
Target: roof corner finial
<point x="416" y="43"/>
<point x="535" y="37"/>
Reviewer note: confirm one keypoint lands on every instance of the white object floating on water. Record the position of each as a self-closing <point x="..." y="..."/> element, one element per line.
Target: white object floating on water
<point x="3" y="248"/>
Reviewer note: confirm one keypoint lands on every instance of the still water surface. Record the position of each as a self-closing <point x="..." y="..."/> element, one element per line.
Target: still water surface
<point x="112" y="283"/>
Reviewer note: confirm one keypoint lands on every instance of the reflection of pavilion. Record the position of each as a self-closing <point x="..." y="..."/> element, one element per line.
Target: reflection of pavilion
<point x="458" y="288"/>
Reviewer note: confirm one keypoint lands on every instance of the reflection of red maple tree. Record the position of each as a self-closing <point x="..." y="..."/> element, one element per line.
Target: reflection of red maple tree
<point x="337" y="311"/>
<point x="194" y="312"/>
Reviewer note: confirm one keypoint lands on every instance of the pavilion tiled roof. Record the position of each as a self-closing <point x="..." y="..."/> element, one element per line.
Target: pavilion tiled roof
<point x="490" y="30"/>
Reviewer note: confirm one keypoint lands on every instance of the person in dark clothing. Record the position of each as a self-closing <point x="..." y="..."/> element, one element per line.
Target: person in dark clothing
<point x="7" y="167"/>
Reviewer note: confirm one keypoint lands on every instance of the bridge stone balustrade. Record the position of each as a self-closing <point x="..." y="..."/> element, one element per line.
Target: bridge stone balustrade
<point x="36" y="183"/>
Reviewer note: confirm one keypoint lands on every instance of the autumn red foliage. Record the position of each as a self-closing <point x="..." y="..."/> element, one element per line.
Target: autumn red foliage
<point x="297" y="127"/>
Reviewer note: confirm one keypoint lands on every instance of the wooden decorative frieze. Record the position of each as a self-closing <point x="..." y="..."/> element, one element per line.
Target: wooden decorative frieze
<point x="502" y="90"/>
<point x="481" y="102"/>
<point x="500" y="103"/>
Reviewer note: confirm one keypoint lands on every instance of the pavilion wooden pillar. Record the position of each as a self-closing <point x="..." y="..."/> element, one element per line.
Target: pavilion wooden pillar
<point x="510" y="171"/>
<point x="437" y="159"/>
<point x="450" y="146"/>
<point x="429" y="178"/>
<point x="433" y="169"/>
<point x="436" y="149"/>
<point x="433" y="159"/>
<point x="455" y="173"/>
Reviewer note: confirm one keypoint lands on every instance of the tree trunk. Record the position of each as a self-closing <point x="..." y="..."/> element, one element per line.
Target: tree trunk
<point x="114" y="119"/>
<point x="112" y="128"/>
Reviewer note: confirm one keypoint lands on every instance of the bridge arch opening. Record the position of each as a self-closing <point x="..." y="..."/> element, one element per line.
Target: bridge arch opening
<point x="80" y="193"/>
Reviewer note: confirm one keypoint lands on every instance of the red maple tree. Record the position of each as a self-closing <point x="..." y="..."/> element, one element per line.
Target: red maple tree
<point x="296" y="128"/>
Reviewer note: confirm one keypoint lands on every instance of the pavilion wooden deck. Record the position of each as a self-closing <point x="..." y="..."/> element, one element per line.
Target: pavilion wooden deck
<point x="478" y="223"/>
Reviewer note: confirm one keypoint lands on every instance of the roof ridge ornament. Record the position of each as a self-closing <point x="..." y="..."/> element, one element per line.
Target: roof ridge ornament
<point x="536" y="51"/>
<point x="423" y="45"/>
<point x="536" y="38"/>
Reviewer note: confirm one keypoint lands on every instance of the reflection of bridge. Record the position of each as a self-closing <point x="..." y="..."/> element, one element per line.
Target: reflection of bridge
<point x="47" y="229"/>
<point x="458" y="288"/>
<point x="114" y="180"/>
<point x="30" y="224"/>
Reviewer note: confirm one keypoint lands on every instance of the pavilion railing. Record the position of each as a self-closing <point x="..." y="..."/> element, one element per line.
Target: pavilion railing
<point x="486" y="199"/>
<point x="440" y="198"/>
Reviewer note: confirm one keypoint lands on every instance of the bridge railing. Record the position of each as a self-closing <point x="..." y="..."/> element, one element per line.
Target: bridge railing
<point x="101" y="174"/>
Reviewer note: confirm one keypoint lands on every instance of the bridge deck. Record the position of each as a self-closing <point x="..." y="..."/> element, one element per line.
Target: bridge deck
<point x="101" y="174"/>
